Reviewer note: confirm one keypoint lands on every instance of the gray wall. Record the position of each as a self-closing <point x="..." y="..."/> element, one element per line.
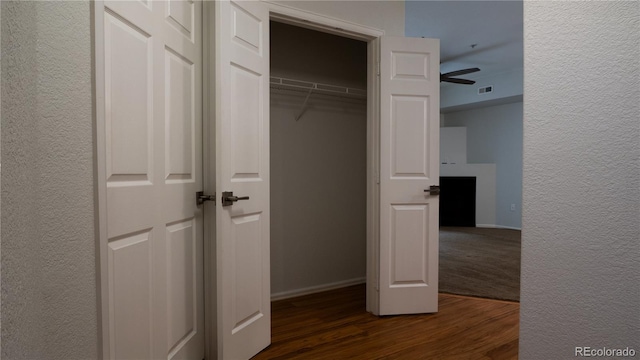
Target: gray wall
<point x="49" y="306"/>
<point x="581" y="219"/>
<point x="494" y="135"/>
<point x="318" y="164"/>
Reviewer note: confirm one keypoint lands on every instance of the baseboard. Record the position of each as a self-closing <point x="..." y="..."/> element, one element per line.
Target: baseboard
<point x="494" y="226"/>
<point x="316" y="289"/>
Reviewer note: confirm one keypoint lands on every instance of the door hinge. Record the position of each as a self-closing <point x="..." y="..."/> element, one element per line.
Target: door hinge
<point x="378" y="68"/>
<point x="201" y="198"/>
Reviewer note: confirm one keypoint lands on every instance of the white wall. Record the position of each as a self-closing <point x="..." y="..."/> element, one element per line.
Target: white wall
<point x="381" y="15"/>
<point x="494" y="135"/>
<point x="507" y="87"/>
<point x="453" y="144"/>
<point x="581" y="210"/>
<point x="49" y="305"/>
<point x="318" y="164"/>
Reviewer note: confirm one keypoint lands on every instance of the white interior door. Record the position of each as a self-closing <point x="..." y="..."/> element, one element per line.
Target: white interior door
<point x="148" y="62"/>
<point x="409" y="164"/>
<point x="242" y="167"/>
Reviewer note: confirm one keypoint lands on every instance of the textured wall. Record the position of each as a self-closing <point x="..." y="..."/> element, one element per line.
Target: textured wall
<point x="49" y="308"/>
<point x="494" y="135"/>
<point x="581" y="220"/>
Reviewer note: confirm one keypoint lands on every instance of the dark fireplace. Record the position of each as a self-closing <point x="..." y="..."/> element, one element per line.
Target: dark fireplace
<point x="458" y="201"/>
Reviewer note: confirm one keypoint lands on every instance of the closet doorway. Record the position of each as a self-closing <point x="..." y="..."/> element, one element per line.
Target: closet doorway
<point x="318" y="145"/>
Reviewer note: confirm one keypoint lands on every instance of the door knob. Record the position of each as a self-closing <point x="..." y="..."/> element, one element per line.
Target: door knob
<point x="433" y="190"/>
<point x="228" y="198"/>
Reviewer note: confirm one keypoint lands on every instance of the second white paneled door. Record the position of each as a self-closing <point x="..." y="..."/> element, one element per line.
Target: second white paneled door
<point x="409" y="166"/>
<point x="242" y="167"/>
<point x="149" y="61"/>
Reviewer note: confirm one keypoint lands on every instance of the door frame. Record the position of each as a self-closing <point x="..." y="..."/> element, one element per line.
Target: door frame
<point x="312" y="21"/>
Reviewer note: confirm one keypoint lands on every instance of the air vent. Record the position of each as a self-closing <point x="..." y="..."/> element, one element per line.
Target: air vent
<point x="485" y="90"/>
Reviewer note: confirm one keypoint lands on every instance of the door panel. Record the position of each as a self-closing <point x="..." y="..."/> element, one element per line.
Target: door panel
<point x="248" y="282"/>
<point x="182" y="287"/>
<point x="130" y="295"/>
<point x="409" y="146"/>
<point x="245" y="129"/>
<point x="408" y="251"/>
<point x="242" y="167"/>
<point x="152" y="122"/>
<point x="180" y="117"/>
<point x="128" y="96"/>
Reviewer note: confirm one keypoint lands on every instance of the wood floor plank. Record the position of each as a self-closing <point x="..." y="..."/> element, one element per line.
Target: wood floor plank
<point x="335" y="325"/>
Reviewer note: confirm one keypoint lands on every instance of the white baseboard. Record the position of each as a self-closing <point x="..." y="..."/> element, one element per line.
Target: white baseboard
<point x="316" y="289"/>
<point x="494" y="226"/>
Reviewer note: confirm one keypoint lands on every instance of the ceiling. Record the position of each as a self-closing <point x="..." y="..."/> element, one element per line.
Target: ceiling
<point x="496" y="27"/>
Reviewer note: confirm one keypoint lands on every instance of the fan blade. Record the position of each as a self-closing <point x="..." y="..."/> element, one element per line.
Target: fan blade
<point x="457" y="81"/>
<point x="461" y="72"/>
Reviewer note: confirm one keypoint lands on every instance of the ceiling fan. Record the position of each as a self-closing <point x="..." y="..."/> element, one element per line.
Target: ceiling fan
<point x="447" y="77"/>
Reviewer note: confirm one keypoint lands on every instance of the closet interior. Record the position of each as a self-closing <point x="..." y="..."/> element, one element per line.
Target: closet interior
<point x="318" y="125"/>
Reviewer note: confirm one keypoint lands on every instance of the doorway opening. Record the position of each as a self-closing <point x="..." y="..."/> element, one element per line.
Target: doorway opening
<point x="481" y="256"/>
<point x="318" y="146"/>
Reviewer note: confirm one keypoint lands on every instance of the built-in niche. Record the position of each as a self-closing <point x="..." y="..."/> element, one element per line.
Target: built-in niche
<point x="455" y="190"/>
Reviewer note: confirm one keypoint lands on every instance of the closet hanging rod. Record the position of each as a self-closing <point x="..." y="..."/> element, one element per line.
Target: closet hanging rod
<point x="317" y="87"/>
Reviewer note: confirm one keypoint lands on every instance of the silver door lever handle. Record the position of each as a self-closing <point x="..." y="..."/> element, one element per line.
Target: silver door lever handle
<point x="433" y="190"/>
<point x="201" y="198"/>
<point x="228" y="198"/>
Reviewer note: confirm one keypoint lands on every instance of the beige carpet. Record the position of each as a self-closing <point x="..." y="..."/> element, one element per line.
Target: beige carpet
<point x="480" y="262"/>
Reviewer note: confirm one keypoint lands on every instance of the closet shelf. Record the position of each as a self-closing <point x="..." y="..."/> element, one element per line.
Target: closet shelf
<point x="283" y="83"/>
<point x="313" y="87"/>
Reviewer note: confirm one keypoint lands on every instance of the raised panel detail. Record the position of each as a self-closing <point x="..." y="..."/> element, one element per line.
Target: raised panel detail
<point x="180" y="15"/>
<point x="181" y="284"/>
<point x="129" y="296"/>
<point x="128" y="101"/>
<point x="409" y="127"/>
<point x="180" y="117"/>
<point x="247" y="29"/>
<point x="246" y="112"/>
<point x="409" y="66"/>
<point x="409" y="252"/>
<point x="247" y="292"/>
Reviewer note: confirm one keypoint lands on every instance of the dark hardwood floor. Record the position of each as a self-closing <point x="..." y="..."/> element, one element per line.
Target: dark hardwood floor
<point x="335" y="325"/>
